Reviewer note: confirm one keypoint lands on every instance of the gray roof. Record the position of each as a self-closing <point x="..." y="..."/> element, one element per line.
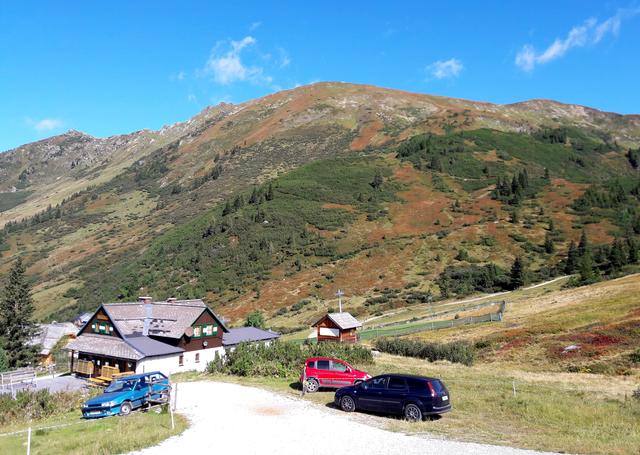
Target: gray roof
<point x="105" y="345"/>
<point x="343" y="320"/>
<point x="131" y="348"/>
<point x="247" y="334"/>
<point x="150" y="347"/>
<point x="170" y="319"/>
<point x="50" y="334"/>
<point x="84" y="317"/>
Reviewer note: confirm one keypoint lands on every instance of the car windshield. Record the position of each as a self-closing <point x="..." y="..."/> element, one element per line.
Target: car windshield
<point x="120" y="386"/>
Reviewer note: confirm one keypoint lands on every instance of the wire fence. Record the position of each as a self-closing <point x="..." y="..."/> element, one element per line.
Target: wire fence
<point x="411" y="328"/>
<point x="29" y="434"/>
<point x="439" y="314"/>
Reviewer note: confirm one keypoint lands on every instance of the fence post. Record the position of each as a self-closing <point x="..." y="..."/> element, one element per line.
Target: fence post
<point x="29" y="441"/>
<point x="175" y="398"/>
<point x="173" y="424"/>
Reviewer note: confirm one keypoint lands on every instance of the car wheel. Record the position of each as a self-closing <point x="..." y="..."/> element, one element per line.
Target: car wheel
<point x="312" y="385"/>
<point x="125" y="408"/>
<point x="412" y="413"/>
<point x="347" y="404"/>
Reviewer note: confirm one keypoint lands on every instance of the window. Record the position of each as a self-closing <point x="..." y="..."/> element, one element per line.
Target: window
<point x="311" y="364"/>
<point x="378" y="383"/>
<point x="181" y="360"/>
<point x="204" y="330"/>
<point x="101" y="327"/>
<point x="339" y="367"/>
<point x="322" y="364"/>
<point x="438" y="387"/>
<point x="397" y="384"/>
<point x="197" y="358"/>
<point x="416" y="384"/>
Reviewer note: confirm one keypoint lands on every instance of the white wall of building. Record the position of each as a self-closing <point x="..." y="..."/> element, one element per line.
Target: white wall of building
<point x="170" y="364"/>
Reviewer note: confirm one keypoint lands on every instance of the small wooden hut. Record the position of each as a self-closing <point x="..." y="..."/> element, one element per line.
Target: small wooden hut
<point x="340" y="327"/>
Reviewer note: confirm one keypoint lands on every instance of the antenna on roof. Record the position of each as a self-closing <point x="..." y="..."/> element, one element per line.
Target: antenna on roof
<point x="340" y="294"/>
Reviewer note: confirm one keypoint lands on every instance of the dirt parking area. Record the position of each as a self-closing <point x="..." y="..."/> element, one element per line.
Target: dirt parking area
<point x="246" y="420"/>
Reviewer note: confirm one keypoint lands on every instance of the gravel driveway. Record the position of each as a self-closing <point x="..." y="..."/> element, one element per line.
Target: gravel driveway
<point x="230" y="418"/>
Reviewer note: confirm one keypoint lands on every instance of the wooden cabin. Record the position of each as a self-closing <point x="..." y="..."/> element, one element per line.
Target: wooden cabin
<point x="169" y="336"/>
<point x="48" y="337"/>
<point x="340" y="327"/>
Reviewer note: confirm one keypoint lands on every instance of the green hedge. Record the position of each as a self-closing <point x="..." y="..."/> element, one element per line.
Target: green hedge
<point x="457" y="352"/>
<point x="285" y="359"/>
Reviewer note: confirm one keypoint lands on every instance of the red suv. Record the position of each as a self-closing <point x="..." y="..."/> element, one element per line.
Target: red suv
<point x="334" y="373"/>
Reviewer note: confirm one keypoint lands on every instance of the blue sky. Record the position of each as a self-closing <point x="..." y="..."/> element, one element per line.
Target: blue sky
<point x="115" y="67"/>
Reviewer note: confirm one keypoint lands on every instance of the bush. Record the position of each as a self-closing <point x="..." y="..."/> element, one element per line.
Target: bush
<point x="636" y="394"/>
<point x="285" y="359"/>
<point x="39" y="404"/>
<point x="457" y="352"/>
<point x="255" y="319"/>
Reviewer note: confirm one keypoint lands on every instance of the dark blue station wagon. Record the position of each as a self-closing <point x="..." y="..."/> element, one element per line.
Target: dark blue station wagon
<point x="414" y="397"/>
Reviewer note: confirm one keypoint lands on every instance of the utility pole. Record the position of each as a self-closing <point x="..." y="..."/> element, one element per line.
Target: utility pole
<point x="340" y="294"/>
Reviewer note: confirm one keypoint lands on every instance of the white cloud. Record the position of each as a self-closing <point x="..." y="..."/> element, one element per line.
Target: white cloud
<point x="589" y="32"/>
<point x="254" y="25"/>
<point x="284" y="59"/>
<point x="445" y="69"/>
<point x="227" y="66"/>
<point x="45" y="125"/>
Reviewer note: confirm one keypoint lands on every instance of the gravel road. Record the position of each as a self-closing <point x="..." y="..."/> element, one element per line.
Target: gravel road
<point x="230" y="418"/>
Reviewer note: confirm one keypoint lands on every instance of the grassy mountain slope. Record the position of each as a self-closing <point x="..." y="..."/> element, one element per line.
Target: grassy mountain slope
<point x="144" y="212"/>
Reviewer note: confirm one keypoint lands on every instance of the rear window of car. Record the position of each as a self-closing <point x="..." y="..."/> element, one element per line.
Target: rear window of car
<point x="337" y="366"/>
<point x="397" y="383"/>
<point x="437" y="386"/>
<point x="416" y="384"/>
<point x="322" y="364"/>
<point x="311" y="364"/>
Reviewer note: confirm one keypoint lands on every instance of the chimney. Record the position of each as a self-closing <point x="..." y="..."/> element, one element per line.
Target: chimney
<point x="148" y="314"/>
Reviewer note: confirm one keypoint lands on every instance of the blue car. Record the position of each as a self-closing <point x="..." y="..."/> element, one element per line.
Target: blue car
<point x="126" y="394"/>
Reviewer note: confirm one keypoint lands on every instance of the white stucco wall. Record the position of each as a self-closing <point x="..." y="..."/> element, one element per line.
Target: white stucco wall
<point x="170" y="364"/>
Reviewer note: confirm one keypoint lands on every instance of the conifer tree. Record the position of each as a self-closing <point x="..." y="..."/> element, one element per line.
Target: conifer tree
<point x="583" y="246"/>
<point x="572" y="259"/>
<point x="4" y="361"/>
<point x="632" y="246"/>
<point x="16" y="319"/>
<point x="435" y="163"/>
<point x="617" y="255"/>
<point x="254" y="196"/>
<point x="586" y="268"/>
<point x="238" y="202"/>
<point x="269" y="195"/>
<point x="518" y="273"/>
<point x="377" y="181"/>
<point x="549" y="247"/>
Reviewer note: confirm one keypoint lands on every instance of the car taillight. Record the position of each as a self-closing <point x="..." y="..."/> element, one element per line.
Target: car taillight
<point x="433" y="391"/>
